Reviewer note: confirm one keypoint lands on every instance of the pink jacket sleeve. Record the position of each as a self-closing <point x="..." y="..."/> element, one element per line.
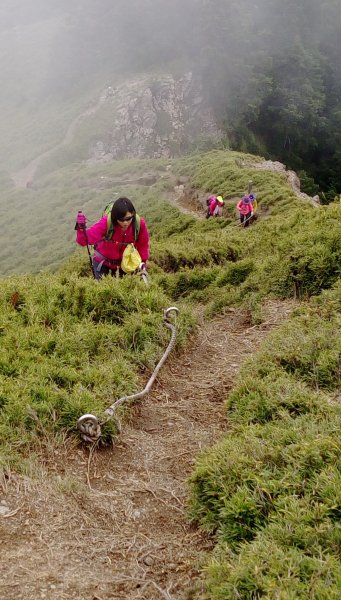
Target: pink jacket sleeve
<point x="239" y="204"/>
<point x="213" y="204"/>
<point x="95" y="233"/>
<point x="142" y="243"/>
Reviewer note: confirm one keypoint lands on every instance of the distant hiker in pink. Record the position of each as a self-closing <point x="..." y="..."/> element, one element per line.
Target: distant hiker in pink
<point x="214" y="206"/>
<point x="111" y="235"/>
<point x="245" y="210"/>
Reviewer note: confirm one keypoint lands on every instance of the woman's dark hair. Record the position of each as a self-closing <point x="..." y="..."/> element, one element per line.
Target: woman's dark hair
<point x="120" y="208"/>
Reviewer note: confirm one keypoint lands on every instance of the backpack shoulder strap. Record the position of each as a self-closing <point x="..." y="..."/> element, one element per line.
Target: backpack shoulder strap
<point x="137" y="227"/>
<point x="110" y="226"/>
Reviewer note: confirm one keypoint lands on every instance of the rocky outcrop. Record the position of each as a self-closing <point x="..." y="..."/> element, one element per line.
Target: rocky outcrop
<point x="295" y="183"/>
<point x="154" y="117"/>
<point x="292" y="177"/>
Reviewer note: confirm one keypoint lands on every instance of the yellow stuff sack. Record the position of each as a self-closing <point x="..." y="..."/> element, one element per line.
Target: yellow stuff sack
<point x="131" y="259"/>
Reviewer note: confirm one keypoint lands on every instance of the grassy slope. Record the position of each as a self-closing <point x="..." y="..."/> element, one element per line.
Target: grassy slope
<point x="38" y="224"/>
<point x="270" y="491"/>
<point x="68" y="345"/>
<point x="42" y="219"/>
<point x="271" y="488"/>
<point x="292" y="250"/>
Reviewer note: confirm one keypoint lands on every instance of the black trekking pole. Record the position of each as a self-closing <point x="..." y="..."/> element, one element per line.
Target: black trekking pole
<point x="87" y="245"/>
<point x="247" y="220"/>
<point x="241" y="223"/>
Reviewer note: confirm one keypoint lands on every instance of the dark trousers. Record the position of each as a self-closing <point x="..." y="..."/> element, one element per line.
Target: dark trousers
<point x="102" y="270"/>
<point x="246" y="219"/>
<point x="113" y="272"/>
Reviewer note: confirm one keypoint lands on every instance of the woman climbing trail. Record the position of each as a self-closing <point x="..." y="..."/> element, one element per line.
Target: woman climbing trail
<point x="114" y="237"/>
<point x="214" y="206"/>
<point x="245" y="210"/>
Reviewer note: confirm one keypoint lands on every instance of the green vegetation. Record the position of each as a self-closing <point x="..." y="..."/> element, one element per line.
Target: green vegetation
<point x="38" y="223"/>
<point x="271" y="488"/>
<point x="70" y="346"/>
<point x="269" y="491"/>
<point x="42" y="219"/>
<point x="291" y="251"/>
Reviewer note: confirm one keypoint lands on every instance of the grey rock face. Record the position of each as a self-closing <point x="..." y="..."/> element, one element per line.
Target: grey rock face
<point x="154" y="117"/>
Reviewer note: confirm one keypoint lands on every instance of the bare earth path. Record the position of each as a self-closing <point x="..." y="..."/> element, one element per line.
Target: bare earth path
<point x="180" y="200"/>
<point x="115" y="527"/>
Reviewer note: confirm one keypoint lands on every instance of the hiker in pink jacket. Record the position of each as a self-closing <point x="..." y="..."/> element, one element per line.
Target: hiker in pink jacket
<point x="245" y="210"/>
<point x="214" y="206"/>
<point x="110" y="241"/>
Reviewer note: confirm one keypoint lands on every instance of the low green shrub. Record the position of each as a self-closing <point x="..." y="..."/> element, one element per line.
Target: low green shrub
<point x="275" y="395"/>
<point x="185" y="281"/>
<point x="270" y="489"/>
<point x="69" y="346"/>
<point x="196" y="252"/>
<point x="266" y="569"/>
<point x="235" y="274"/>
<point x="265" y="462"/>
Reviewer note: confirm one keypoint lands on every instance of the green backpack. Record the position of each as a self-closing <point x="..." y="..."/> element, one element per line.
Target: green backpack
<point x="110" y="225"/>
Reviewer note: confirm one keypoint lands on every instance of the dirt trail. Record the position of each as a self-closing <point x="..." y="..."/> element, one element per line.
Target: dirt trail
<point x="187" y="205"/>
<point x="25" y="176"/>
<point x="125" y="535"/>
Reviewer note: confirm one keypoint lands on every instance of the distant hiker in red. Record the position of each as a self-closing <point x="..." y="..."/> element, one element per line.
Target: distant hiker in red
<point x="111" y="235"/>
<point x="214" y="206"/>
<point x="245" y="210"/>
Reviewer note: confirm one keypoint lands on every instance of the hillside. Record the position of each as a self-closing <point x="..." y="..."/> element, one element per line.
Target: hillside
<point x="129" y="502"/>
<point x="223" y="482"/>
<point x="71" y="346"/>
<point x="42" y="217"/>
<point x="277" y="94"/>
